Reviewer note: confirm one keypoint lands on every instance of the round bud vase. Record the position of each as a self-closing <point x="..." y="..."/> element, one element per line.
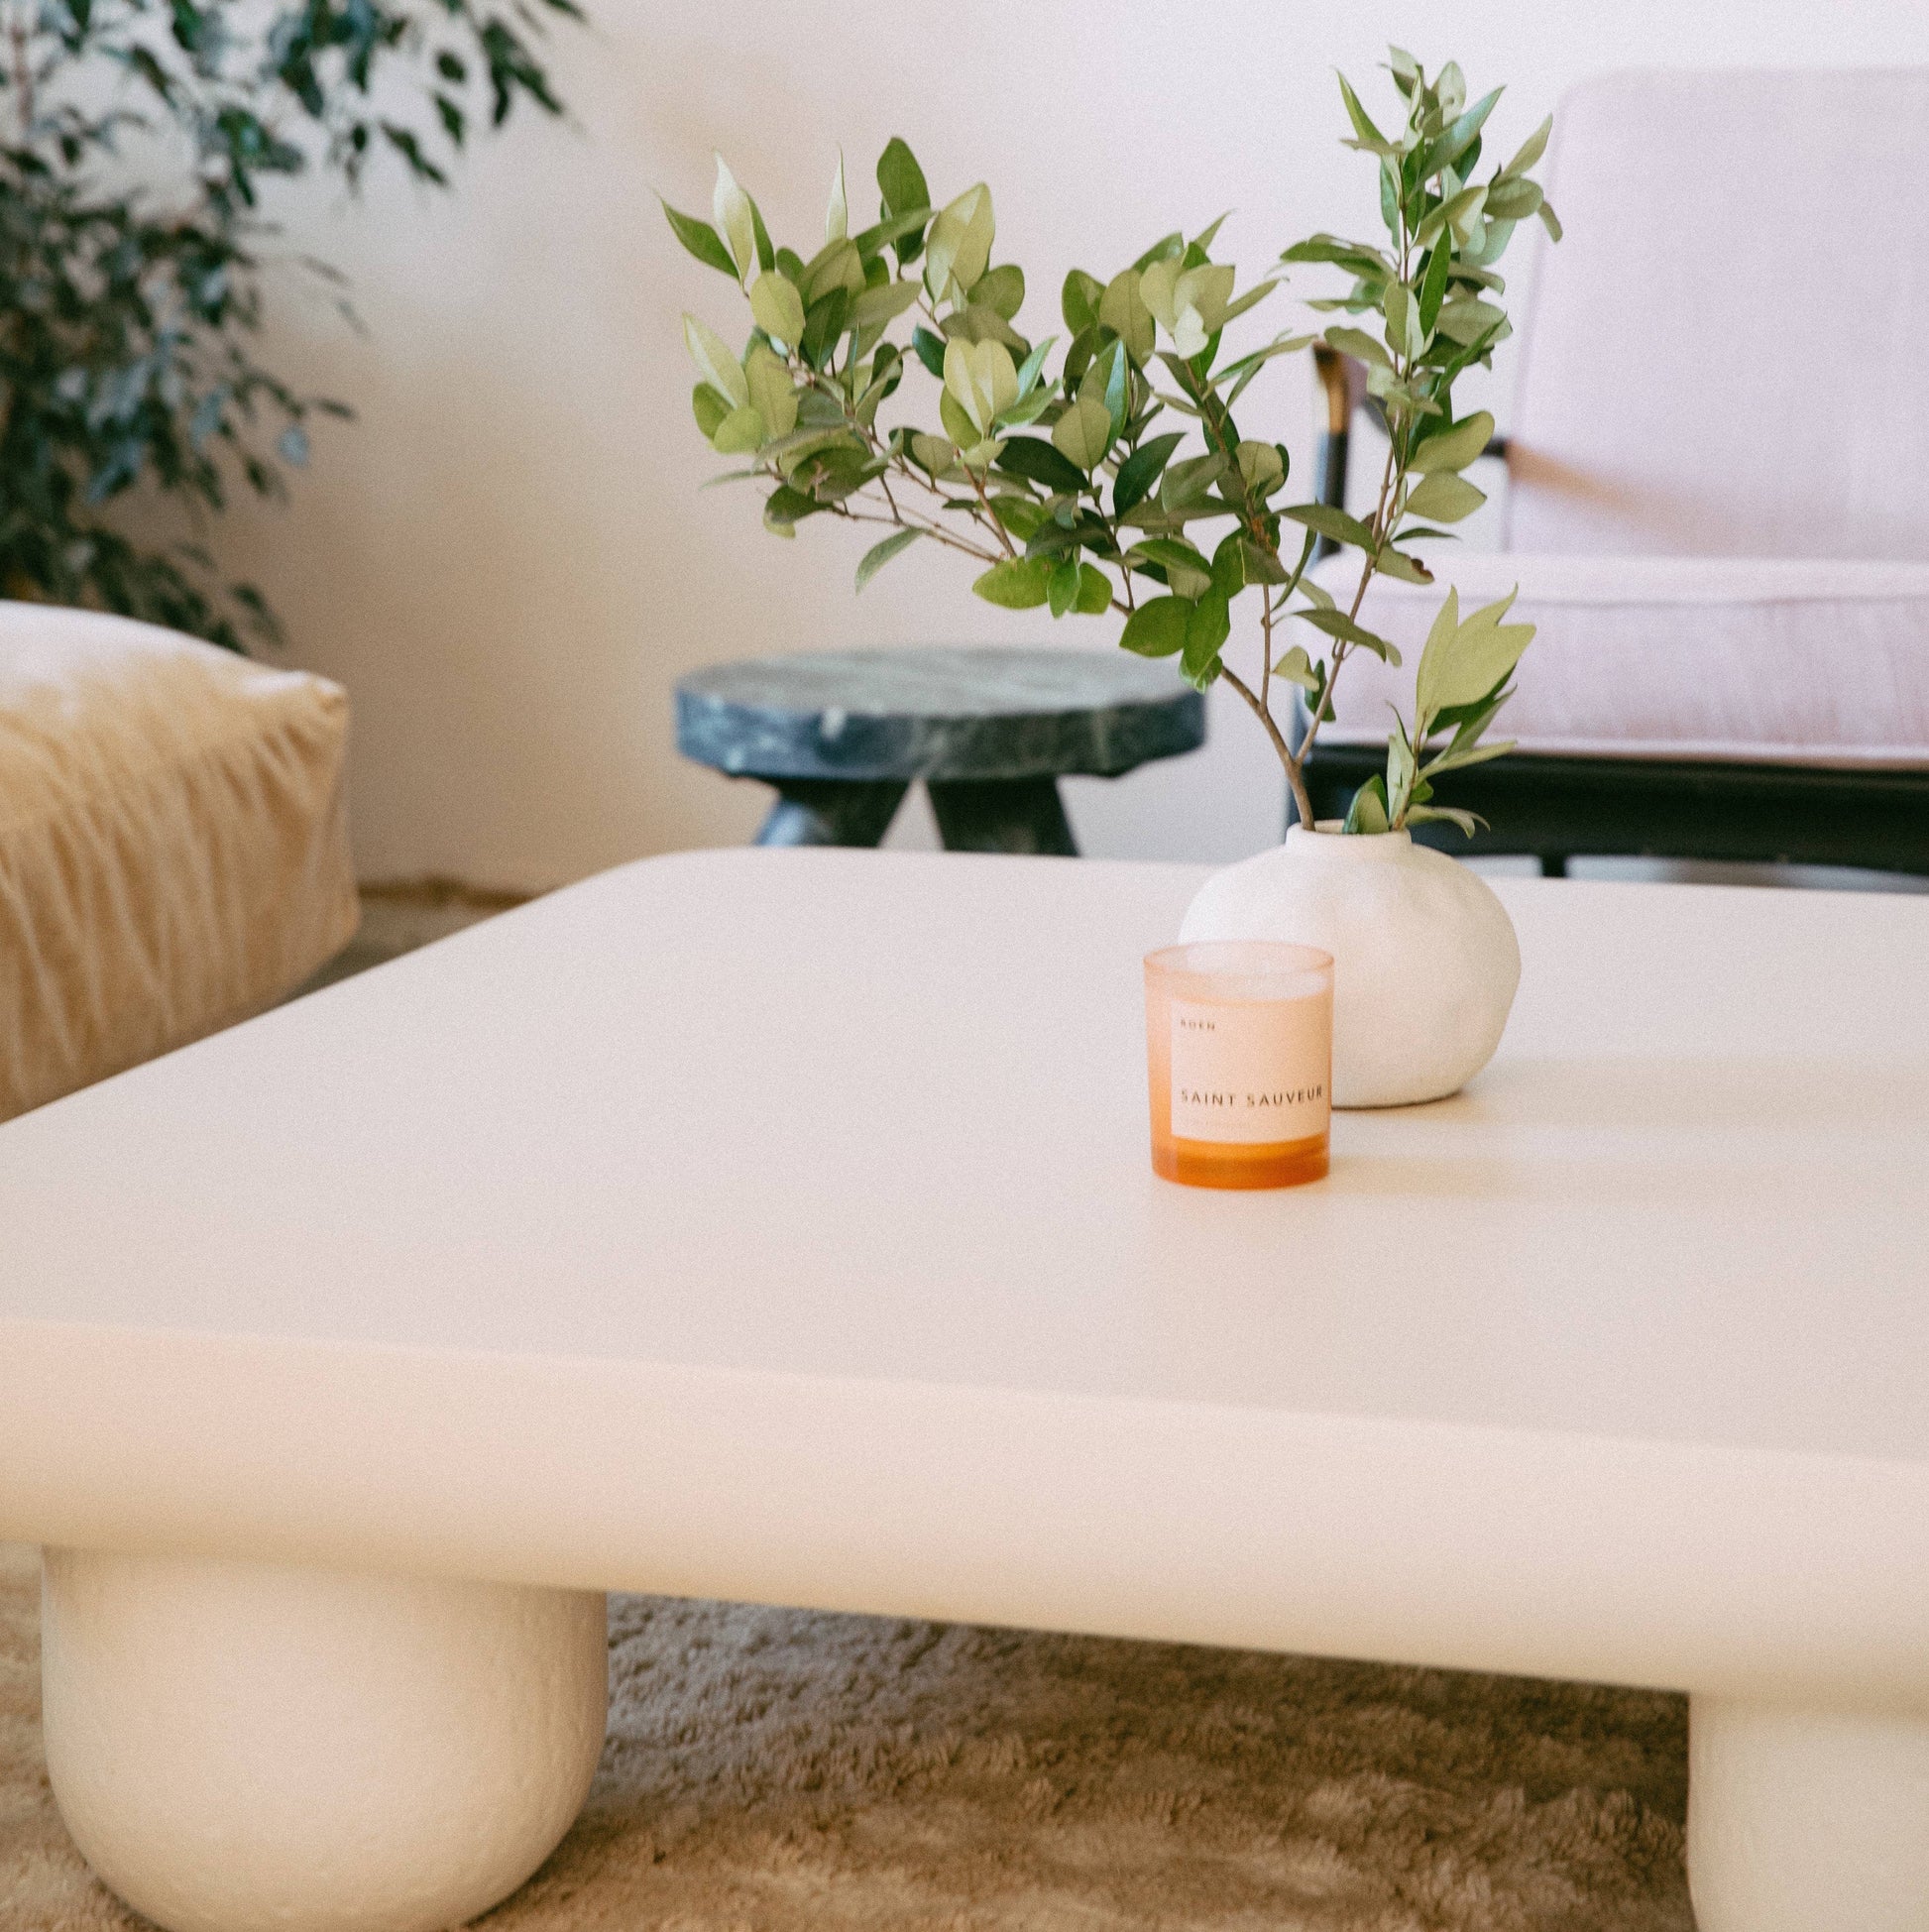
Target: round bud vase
<point x="1425" y="961"/>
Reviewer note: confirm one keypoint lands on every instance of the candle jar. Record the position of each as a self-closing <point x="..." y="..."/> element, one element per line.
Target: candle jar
<point x="1239" y="1044"/>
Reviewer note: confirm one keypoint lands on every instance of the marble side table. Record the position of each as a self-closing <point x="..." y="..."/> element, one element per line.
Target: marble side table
<point x="990" y="731"/>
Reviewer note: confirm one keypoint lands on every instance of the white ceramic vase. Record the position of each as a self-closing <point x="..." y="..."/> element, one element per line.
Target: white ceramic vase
<point x="1425" y="959"/>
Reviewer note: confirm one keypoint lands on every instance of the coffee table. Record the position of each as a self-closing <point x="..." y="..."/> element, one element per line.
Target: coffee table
<point x="779" y="1225"/>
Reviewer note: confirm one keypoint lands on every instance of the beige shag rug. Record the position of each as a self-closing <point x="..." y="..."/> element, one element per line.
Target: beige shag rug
<point x="770" y="1769"/>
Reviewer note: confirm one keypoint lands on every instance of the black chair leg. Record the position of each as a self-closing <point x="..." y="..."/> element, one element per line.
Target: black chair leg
<point x="1020" y="815"/>
<point x="831" y="811"/>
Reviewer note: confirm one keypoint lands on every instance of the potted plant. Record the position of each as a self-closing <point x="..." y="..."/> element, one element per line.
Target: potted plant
<point x="1122" y="486"/>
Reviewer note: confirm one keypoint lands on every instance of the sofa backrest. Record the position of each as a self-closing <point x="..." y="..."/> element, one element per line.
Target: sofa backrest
<point x="1729" y="352"/>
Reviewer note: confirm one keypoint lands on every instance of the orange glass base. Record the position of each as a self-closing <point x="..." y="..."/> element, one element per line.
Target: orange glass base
<point x="1223" y="1164"/>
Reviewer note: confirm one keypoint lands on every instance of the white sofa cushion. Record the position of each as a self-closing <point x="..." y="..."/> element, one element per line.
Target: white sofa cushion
<point x="1785" y="661"/>
<point x="173" y="854"/>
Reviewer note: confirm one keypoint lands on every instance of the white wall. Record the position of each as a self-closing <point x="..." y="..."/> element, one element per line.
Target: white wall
<point x="508" y="560"/>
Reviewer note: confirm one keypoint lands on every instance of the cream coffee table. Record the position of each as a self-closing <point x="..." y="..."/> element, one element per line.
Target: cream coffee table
<point x="779" y="1225"/>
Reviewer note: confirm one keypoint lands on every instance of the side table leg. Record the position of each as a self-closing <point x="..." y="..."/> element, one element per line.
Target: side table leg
<point x="1807" y="1821"/>
<point x="237" y="1745"/>
<point x="1021" y="815"/>
<point x="831" y="811"/>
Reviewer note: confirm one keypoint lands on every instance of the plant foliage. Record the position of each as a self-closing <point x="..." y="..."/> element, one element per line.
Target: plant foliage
<point x="1074" y="490"/>
<point x="138" y="140"/>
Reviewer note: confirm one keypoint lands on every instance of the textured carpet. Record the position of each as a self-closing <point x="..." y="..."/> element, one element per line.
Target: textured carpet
<point x="769" y="1770"/>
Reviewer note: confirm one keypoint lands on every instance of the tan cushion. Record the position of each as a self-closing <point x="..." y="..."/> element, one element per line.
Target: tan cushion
<point x="173" y="854"/>
<point x="1784" y="661"/>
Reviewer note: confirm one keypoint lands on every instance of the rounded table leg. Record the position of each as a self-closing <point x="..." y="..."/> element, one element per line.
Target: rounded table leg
<point x="236" y="1745"/>
<point x="1807" y="1821"/>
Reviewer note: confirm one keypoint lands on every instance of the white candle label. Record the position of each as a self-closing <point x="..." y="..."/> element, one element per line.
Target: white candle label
<point x="1253" y="1072"/>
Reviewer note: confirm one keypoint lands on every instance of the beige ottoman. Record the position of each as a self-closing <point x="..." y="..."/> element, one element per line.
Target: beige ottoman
<point x="172" y="843"/>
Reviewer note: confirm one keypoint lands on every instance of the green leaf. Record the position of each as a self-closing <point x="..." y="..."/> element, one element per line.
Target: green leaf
<point x="1468" y="822"/>
<point x="901" y="183"/>
<point x="1476" y="659"/>
<point x="1298" y="668"/>
<point x="930" y="350"/>
<point x="710" y="410"/>
<point x="778" y="309"/>
<point x="1327" y="521"/>
<point x="1208" y="235"/>
<point x="937" y="453"/>
<point x="1549" y="221"/>
<point x="959" y="425"/>
<point x="1455" y="760"/>
<point x="1157" y="629"/>
<point x="957" y="250"/>
<point x="1432" y="660"/>
<point x="1532" y="148"/>
<point x="1122" y="310"/>
<point x="1368" y="812"/>
<point x="836" y="264"/>
<point x="879" y="554"/>
<point x="715" y="361"/>
<point x="1468" y="321"/>
<point x="1454" y="448"/>
<point x="1446" y="149"/>
<point x="1140" y="471"/>
<point x="1163" y="249"/>
<point x="1189" y="481"/>
<point x="1061" y="587"/>
<point x="1250" y="299"/>
<point x="983" y="379"/>
<point x="785" y="506"/>
<point x="1036" y="460"/>
<point x="1001" y="289"/>
<point x="1433" y="286"/>
<point x="1457" y="216"/>
<point x="824" y="323"/>
<point x="1230" y="562"/>
<point x="1512" y="201"/>
<point x="1363" y="126"/>
<point x="1033" y="366"/>
<point x="1207" y="627"/>
<point x="877" y="307"/>
<point x="735" y="220"/>
<point x="702" y="240"/>
<point x="1078" y="300"/>
<point x="1360" y="257"/>
<point x="1084" y="433"/>
<point x="836" y="213"/>
<point x="1405" y="336"/>
<point x="772" y="394"/>
<point x="1394" y="563"/>
<point x="1444" y="497"/>
<point x="1185" y="568"/>
<point x="1359" y="345"/>
<point x="1337" y="623"/>
<point x="1020" y="584"/>
<point x="1095" y="591"/>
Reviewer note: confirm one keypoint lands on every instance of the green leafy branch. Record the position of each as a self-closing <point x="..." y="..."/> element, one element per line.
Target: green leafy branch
<point x="129" y="316"/>
<point x="1071" y="490"/>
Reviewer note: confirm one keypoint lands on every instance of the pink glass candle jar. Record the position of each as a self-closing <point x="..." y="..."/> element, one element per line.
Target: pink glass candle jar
<point x="1239" y="1044"/>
